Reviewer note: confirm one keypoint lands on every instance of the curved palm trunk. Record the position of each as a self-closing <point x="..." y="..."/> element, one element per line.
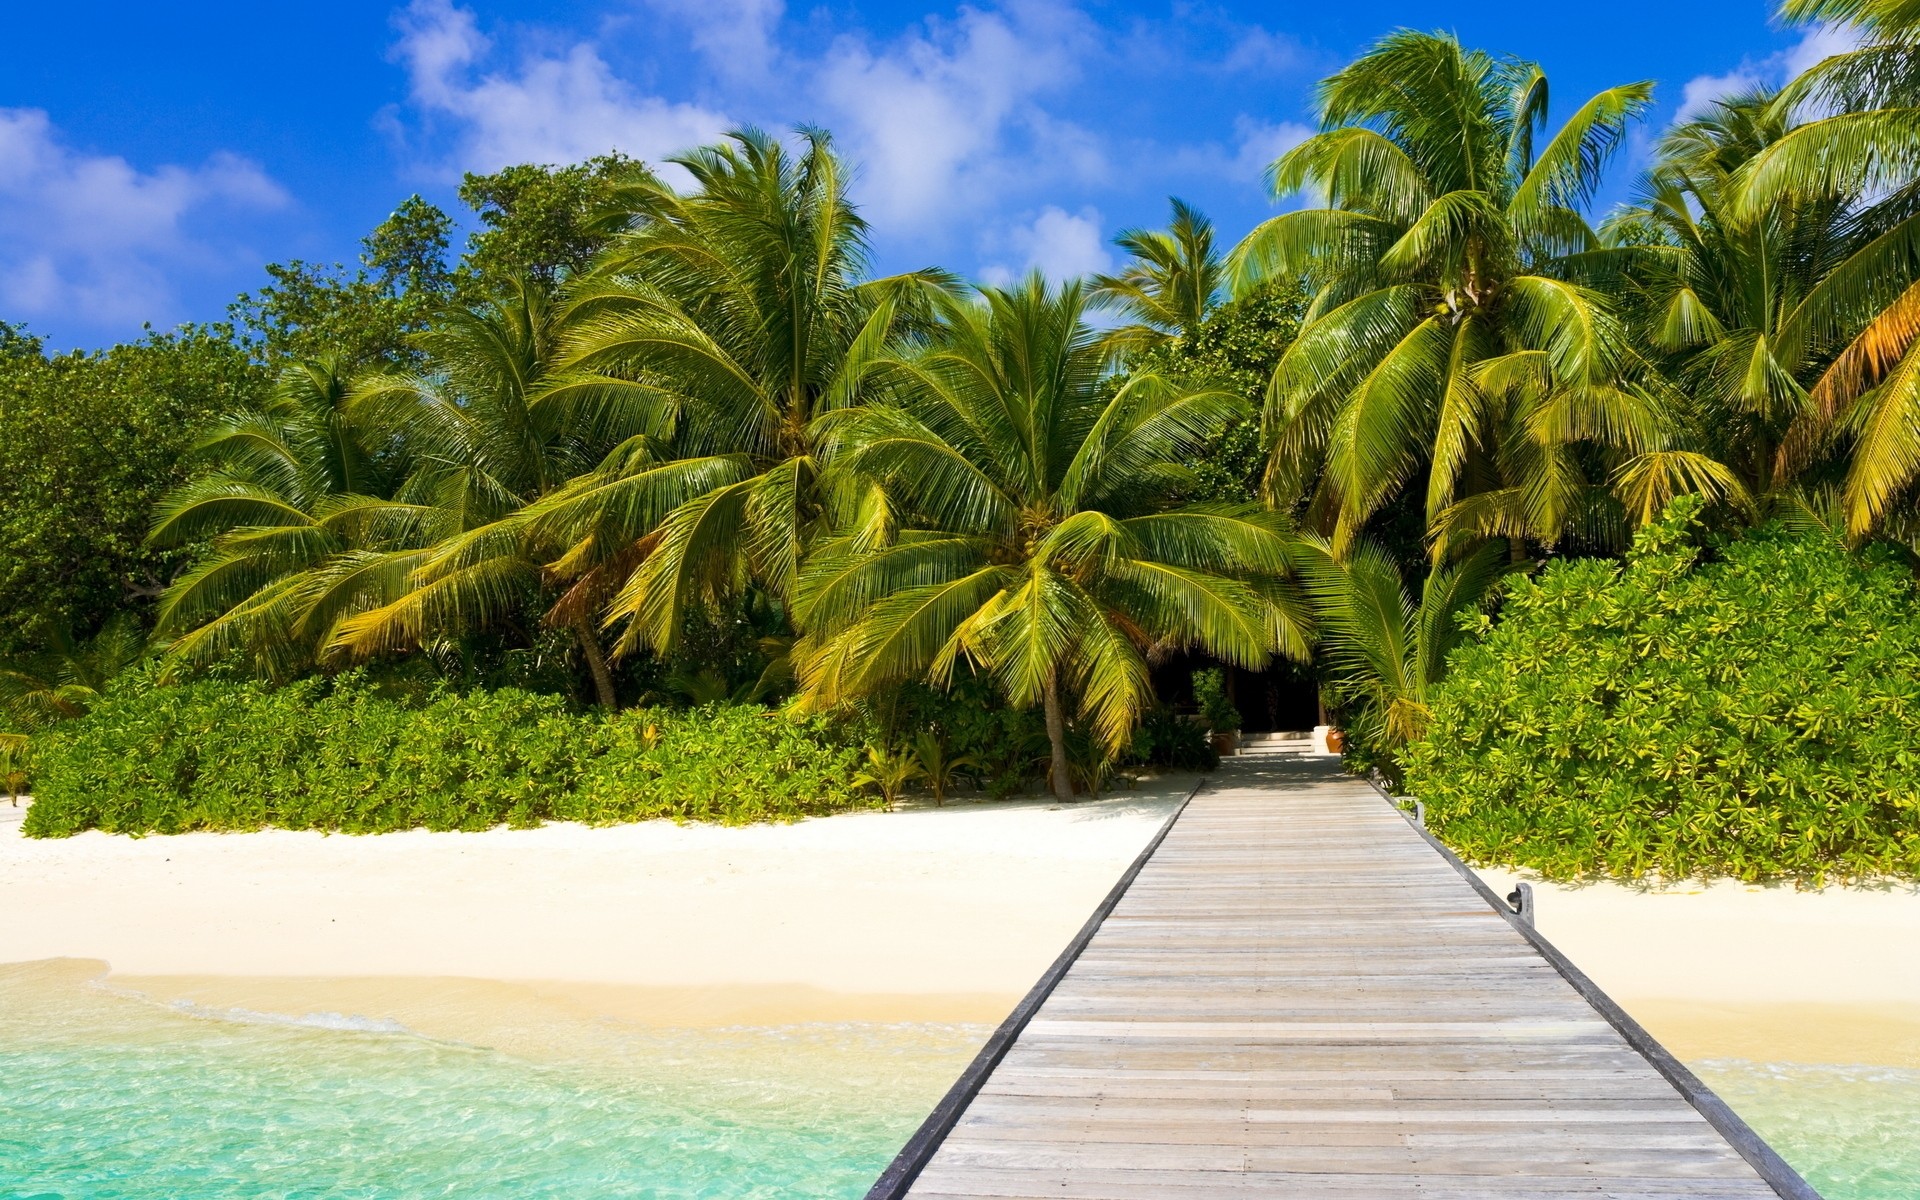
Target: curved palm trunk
<point x="596" y="661"/>
<point x="1057" y="738"/>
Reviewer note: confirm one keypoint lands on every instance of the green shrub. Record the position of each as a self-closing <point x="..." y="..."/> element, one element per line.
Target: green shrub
<point x="1005" y="747"/>
<point x="1164" y="738"/>
<point x="731" y="763"/>
<point x="1754" y="715"/>
<point x="1219" y="711"/>
<point x="339" y="755"/>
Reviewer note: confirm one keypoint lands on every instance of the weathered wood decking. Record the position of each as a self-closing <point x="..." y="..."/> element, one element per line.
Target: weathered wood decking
<point x="1296" y="993"/>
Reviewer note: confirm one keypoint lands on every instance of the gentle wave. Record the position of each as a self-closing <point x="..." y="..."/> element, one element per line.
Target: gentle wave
<point x="1852" y="1131"/>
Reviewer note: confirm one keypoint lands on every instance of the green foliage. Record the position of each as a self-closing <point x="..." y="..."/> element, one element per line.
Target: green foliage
<point x="1236" y="348"/>
<point x="938" y="766"/>
<point x="1219" y="711"/>
<point x="890" y="772"/>
<point x="1452" y="347"/>
<point x="1752" y="715"/>
<point x="88" y="443"/>
<point x="1164" y="738"/>
<point x="1003" y="747"/>
<point x="1027" y="527"/>
<point x="362" y="317"/>
<point x="340" y="755"/>
<point x="1383" y="649"/>
<point x="731" y="763"/>
<point x="67" y="677"/>
<point x="539" y="222"/>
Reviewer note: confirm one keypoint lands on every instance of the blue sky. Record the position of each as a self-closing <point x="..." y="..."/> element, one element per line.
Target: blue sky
<point x="152" y="157"/>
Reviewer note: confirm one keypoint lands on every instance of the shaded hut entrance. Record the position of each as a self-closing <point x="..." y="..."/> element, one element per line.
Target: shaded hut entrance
<point x="1284" y="697"/>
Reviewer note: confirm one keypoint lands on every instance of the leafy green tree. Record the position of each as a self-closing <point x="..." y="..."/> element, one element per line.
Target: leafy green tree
<point x="722" y="326"/>
<point x="359" y="318"/>
<point x="1024" y="528"/>
<point x="88" y="443"/>
<point x="66" y="677"/>
<point x="363" y="518"/>
<point x="539" y="224"/>
<point x="1170" y="284"/>
<point x="1236" y="348"/>
<point x="481" y="448"/>
<point x="1448" y="344"/>
<point x="1748" y="307"/>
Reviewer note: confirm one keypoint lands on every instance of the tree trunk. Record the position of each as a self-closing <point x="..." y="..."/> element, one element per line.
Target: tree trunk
<point x="1057" y="738"/>
<point x="596" y="662"/>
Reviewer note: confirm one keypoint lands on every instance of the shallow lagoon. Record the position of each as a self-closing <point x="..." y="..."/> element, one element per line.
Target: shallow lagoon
<point x="110" y="1097"/>
<point x="107" y="1096"/>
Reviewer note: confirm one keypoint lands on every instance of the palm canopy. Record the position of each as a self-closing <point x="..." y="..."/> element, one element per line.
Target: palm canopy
<point x="1450" y="335"/>
<point x="304" y="568"/>
<point x="733" y="317"/>
<point x="1171" y="281"/>
<point x="484" y="442"/>
<point x="1750" y="306"/>
<point x="1383" y="647"/>
<point x="1851" y="138"/>
<point x="1019" y="524"/>
<point x="67" y="676"/>
<point x="288" y="492"/>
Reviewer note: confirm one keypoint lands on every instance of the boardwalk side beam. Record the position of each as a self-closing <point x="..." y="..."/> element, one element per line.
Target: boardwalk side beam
<point x="1781" y="1177"/>
<point x="907" y="1165"/>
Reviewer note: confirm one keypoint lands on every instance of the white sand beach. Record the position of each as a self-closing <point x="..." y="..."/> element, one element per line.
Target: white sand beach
<point x="931" y="912"/>
<point x="924" y="914"/>
<point x="1772" y="973"/>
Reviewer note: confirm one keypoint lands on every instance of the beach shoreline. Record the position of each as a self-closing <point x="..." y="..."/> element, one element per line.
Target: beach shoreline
<point x="512" y="938"/>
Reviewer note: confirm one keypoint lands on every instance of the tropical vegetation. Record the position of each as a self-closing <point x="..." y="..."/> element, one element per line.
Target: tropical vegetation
<point x="644" y="459"/>
<point x="1650" y="717"/>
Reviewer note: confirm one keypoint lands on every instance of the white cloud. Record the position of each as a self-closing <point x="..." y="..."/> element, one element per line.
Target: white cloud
<point x="734" y="36"/>
<point x="1260" y="143"/>
<point x="551" y="110"/>
<point x="942" y="120"/>
<point x="95" y="239"/>
<point x="1702" y="91"/>
<point x="1819" y="42"/>
<point x="1698" y="94"/>
<point x="1256" y="49"/>
<point x="1058" y="244"/>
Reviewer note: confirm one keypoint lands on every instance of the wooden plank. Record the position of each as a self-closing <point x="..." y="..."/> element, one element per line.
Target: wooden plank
<point x="1295" y="992"/>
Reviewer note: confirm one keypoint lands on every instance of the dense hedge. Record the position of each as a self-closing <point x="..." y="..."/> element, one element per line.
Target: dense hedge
<point x="1755" y="713"/>
<point x="320" y="755"/>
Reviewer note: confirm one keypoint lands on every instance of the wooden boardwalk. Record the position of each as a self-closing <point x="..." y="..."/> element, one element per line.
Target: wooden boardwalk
<point x="1298" y="994"/>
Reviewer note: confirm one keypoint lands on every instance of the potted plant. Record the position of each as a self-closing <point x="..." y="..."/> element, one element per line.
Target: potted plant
<point x="1217" y="709"/>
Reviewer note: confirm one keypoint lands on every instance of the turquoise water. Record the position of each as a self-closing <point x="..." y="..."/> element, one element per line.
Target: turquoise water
<point x="108" y="1097"/>
<point x="1853" y="1132"/>
<point x="117" y="1099"/>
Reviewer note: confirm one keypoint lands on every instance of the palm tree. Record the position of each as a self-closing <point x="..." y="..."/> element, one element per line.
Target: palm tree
<point x="1172" y="282"/>
<point x="1448" y="341"/>
<point x="289" y="489"/>
<point x="1747" y="307"/>
<point x="484" y="441"/>
<point x="67" y="677"/>
<point x="1850" y="136"/>
<point x="1020" y="526"/>
<point x="736" y="318"/>
<point x="1384" y="649"/>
